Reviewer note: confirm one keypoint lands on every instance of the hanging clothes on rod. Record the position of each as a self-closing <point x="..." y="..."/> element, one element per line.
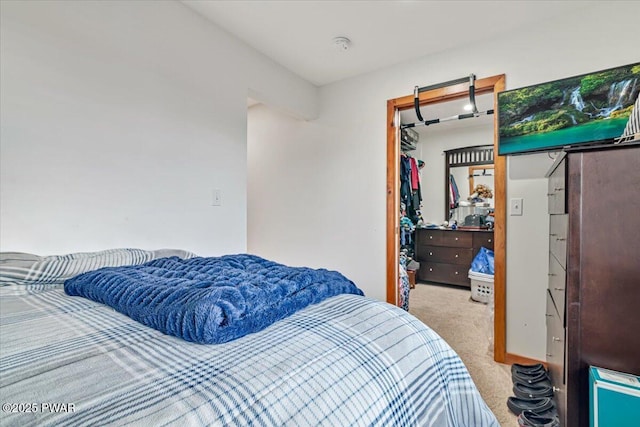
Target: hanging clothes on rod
<point x="410" y="190"/>
<point x="472" y="100"/>
<point x="405" y="179"/>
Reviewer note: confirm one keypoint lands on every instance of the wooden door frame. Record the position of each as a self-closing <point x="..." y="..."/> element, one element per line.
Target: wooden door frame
<point x="493" y="84"/>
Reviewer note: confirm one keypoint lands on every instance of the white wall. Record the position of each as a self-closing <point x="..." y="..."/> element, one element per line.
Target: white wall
<point x="118" y="121"/>
<point x="294" y="222"/>
<point x="344" y="153"/>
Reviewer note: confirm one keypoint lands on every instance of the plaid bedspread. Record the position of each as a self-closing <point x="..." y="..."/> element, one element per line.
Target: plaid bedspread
<point x="346" y="361"/>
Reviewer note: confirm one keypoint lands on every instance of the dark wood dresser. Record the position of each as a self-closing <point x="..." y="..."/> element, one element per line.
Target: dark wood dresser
<point x="445" y="255"/>
<point x="593" y="295"/>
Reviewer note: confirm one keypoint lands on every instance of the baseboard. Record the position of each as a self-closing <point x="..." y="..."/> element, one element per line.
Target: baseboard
<point x="510" y="359"/>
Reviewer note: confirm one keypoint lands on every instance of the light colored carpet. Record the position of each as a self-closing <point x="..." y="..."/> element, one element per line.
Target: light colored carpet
<point x="466" y="326"/>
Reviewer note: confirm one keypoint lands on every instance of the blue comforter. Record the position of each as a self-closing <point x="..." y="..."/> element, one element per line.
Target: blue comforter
<point x="209" y="300"/>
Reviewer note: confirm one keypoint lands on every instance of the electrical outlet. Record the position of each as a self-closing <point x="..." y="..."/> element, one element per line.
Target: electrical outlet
<point x="516" y="206"/>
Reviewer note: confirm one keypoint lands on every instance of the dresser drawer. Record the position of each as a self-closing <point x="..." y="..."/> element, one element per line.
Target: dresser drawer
<point x="460" y="239"/>
<point x="482" y="238"/>
<point x="444" y="254"/>
<point x="556" y="193"/>
<point x="444" y="273"/>
<point x="558" y="226"/>
<point x="555" y="343"/>
<point x="555" y="358"/>
<point x="557" y="285"/>
<point x="429" y="237"/>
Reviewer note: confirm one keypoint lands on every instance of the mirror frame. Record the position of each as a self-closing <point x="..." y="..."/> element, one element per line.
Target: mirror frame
<point x="472" y="174"/>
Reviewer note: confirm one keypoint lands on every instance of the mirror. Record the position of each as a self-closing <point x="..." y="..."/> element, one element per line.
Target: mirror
<point x="469" y="201"/>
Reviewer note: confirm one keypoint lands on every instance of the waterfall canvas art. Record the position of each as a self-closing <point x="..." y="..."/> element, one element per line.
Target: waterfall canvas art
<point x="585" y="109"/>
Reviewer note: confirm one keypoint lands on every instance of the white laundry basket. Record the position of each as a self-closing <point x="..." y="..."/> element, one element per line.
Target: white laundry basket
<point x="481" y="286"/>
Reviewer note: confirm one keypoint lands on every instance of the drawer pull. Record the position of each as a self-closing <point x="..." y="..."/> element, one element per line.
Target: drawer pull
<point x="552" y="234"/>
<point x="550" y="194"/>
<point x="430" y="237"/>
<point x="560" y="239"/>
<point x="558" y="289"/>
<point x="489" y="240"/>
<point x="456" y="255"/>
<point x="555" y="338"/>
<point x="548" y="315"/>
<point x="549" y="354"/>
<point x="456" y="238"/>
<point x="456" y="272"/>
<point x="430" y="253"/>
<point x="556" y="389"/>
<point x="558" y="189"/>
<point x="430" y="269"/>
<point x="551" y="274"/>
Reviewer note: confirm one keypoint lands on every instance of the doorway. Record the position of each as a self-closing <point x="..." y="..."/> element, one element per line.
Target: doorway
<point x="493" y="85"/>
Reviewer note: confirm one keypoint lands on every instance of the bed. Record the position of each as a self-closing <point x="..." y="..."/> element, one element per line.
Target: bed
<point x="346" y="360"/>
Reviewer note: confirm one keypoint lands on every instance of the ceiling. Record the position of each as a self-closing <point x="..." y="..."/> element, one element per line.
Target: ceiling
<point x="299" y="34"/>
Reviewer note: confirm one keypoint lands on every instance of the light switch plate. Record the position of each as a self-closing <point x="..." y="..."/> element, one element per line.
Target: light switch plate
<point x="515" y="208"/>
